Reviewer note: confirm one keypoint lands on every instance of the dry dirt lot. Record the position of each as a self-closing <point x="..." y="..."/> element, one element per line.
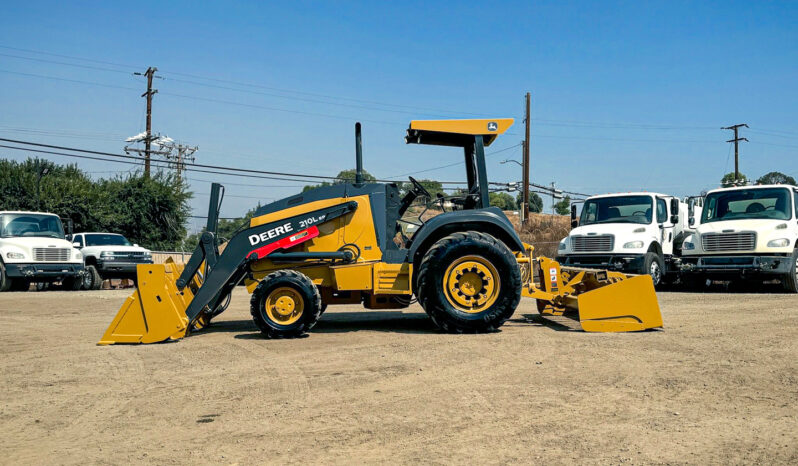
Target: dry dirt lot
<point x="718" y="385"/>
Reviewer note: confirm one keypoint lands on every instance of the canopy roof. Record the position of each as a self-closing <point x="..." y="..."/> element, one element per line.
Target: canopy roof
<point x="456" y="132"/>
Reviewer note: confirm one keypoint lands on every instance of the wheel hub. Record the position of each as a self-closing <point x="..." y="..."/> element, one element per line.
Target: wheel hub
<point x="284" y="306"/>
<point x="471" y="284"/>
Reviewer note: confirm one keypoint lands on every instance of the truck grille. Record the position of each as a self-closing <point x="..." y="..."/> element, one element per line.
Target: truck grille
<point x="599" y="243"/>
<point x="127" y="256"/>
<point x="50" y="254"/>
<point x="742" y="241"/>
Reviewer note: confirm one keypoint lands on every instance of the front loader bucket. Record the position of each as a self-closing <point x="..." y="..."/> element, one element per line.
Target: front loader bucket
<point x="155" y="312"/>
<point x="625" y="306"/>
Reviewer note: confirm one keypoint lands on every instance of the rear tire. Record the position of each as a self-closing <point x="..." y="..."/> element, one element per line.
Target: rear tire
<point x="789" y="281"/>
<point x="92" y="279"/>
<point x="285" y="304"/>
<point x="469" y="283"/>
<point x="654" y="267"/>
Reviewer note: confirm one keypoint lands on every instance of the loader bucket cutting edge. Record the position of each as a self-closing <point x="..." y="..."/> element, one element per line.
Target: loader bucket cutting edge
<point x="626" y="306"/>
<point x="155" y="312"/>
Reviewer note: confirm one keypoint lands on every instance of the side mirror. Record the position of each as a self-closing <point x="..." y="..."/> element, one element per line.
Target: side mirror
<point x="691" y="221"/>
<point x="76" y="245"/>
<point x="574" y="222"/>
<point x="674" y="211"/>
<point x="135" y="245"/>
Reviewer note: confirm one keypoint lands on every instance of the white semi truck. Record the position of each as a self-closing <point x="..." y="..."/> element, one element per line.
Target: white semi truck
<point x="630" y="232"/>
<point x="745" y="233"/>
<point x="33" y="249"/>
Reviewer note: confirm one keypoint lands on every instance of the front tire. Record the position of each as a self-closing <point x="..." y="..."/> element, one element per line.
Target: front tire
<point x="654" y="267"/>
<point x="789" y="281"/>
<point x="6" y="283"/>
<point x="469" y="283"/>
<point x="92" y="279"/>
<point x="285" y="304"/>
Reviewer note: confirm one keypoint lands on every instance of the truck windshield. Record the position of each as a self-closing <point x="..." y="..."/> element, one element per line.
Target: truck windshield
<point x="24" y="224"/>
<point x="739" y="204"/>
<point x="103" y="239"/>
<point x="620" y="209"/>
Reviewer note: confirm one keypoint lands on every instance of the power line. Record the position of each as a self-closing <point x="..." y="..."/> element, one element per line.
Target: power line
<point x="452" y="164"/>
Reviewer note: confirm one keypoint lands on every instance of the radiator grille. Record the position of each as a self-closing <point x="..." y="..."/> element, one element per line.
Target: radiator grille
<point x="741" y="241"/>
<point x="599" y="243"/>
<point x="50" y="254"/>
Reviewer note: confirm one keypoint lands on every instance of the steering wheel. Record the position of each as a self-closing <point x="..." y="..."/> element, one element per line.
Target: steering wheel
<point x="419" y="188"/>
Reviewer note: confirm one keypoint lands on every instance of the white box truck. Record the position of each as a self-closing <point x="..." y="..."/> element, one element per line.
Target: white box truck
<point x="33" y="249"/>
<point x="745" y="233"/>
<point x="637" y="233"/>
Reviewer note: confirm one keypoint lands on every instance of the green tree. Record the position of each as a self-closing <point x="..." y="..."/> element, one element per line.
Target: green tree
<point x="728" y="179"/>
<point x="535" y="202"/>
<point x="776" y="178"/>
<point x="564" y="206"/>
<point x="503" y="201"/>
<point x="225" y="230"/>
<point x="150" y="211"/>
<point x="344" y="176"/>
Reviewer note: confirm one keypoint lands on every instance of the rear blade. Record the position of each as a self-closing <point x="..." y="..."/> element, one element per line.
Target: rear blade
<point x="155" y="312"/>
<point x="625" y="306"/>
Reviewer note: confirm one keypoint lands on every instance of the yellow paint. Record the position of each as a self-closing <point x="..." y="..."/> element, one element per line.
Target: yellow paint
<point x="284" y="305"/>
<point x="471" y="284"/>
<point x="353" y="277"/>
<point x="475" y="127"/>
<point x="392" y="278"/>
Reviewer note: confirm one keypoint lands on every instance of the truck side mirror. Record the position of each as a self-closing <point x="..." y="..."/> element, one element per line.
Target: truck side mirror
<point x="674" y="211"/>
<point x="691" y="222"/>
<point x="76" y="245"/>
<point x="574" y="222"/>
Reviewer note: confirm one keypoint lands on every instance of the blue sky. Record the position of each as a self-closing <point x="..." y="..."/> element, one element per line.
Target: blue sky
<point x="626" y="95"/>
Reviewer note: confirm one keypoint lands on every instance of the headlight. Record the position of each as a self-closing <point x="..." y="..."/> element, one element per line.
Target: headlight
<point x="688" y="246"/>
<point x="15" y="255"/>
<point x="633" y="245"/>
<point x="562" y="246"/>
<point x="78" y="255"/>
<point x="779" y="243"/>
<point x="106" y="254"/>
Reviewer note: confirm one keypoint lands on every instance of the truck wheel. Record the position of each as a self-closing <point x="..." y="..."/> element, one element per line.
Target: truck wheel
<point x="285" y="304"/>
<point x="469" y="282"/>
<point x="5" y="281"/>
<point x="652" y="265"/>
<point x="789" y="281"/>
<point x="92" y="279"/>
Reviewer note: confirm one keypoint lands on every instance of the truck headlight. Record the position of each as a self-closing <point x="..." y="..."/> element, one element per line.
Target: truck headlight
<point x="15" y="255"/>
<point x="779" y="243"/>
<point x="633" y="245"/>
<point x="561" y="247"/>
<point x="106" y="254"/>
<point x="78" y="255"/>
<point x="687" y="246"/>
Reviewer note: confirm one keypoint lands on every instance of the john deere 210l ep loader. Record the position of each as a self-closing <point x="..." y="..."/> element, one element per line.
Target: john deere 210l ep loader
<point x="343" y="244"/>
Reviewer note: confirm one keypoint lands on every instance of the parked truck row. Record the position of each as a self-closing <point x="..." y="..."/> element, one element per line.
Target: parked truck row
<point x="740" y="234"/>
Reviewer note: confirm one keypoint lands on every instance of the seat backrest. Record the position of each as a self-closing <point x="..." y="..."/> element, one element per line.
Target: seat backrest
<point x="754" y="207"/>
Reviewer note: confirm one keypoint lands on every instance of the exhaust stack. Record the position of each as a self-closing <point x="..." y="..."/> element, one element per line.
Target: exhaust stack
<point x="358" y="156"/>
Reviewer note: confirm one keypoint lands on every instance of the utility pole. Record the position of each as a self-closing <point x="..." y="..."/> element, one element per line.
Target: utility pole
<point x="184" y="153"/>
<point x="736" y="142"/>
<point x="525" y="195"/>
<point x="553" y="192"/>
<point x="150" y="73"/>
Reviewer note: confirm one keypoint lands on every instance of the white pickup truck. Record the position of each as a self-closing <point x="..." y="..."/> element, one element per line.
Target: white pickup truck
<point x="745" y="233"/>
<point x="33" y="249"/>
<point x="630" y="232"/>
<point x="109" y="255"/>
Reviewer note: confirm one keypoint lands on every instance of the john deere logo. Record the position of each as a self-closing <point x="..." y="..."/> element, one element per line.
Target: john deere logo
<point x="493" y="126"/>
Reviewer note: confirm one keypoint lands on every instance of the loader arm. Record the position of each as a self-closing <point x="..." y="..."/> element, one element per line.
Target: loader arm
<point x="164" y="307"/>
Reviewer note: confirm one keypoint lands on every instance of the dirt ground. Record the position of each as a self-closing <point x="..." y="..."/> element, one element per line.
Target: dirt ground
<point x="718" y="385"/>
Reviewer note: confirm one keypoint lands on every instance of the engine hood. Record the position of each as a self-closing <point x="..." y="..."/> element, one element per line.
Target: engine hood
<point x="729" y="226"/>
<point x="609" y="229"/>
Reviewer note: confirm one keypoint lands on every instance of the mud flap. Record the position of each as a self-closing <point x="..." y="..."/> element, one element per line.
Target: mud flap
<point x="626" y="306"/>
<point x="155" y="312"/>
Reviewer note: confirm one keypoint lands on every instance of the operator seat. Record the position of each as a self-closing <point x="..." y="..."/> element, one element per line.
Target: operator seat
<point x="754" y="208"/>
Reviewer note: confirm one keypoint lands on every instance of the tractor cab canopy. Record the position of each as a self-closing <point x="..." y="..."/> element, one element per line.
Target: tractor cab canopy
<point x="473" y="136"/>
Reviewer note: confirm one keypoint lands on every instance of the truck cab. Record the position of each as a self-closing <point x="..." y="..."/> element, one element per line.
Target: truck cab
<point x="109" y="255"/>
<point x="637" y="233"/>
<point x="746" y="232"/>
<point x="33" y="249"/>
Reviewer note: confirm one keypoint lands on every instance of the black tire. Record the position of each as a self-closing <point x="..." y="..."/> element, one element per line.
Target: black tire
<point x="92" y="279"/>
<point x="5" y="281"/>
<point x="440" y="302"/>
<point x="789" y="281"/>
<point x="295" y="324"/>
<point x="654" y="267"/>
